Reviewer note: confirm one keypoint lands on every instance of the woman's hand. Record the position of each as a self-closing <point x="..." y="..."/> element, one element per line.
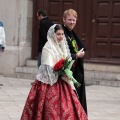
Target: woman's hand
<point x="65" y="76"/>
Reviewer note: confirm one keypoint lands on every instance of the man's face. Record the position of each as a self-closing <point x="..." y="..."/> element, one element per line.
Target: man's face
<point x="70" y="21"/>
<point x="39" y="17"/>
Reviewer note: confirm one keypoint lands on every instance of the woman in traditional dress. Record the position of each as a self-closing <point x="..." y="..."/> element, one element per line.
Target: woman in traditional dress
<point x="52" y="97"/>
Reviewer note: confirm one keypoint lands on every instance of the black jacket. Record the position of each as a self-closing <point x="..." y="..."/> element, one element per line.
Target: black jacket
<point x="78" y="70"/>
<point x="44" y="25"/>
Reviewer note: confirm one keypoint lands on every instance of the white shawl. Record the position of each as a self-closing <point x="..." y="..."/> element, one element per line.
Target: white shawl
<point x="52" y="52"/>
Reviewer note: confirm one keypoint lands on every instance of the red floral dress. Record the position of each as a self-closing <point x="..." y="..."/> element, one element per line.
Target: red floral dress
<point x="56" y="102"/>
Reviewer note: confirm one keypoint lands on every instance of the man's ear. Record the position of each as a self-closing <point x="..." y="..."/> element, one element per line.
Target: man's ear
<point x="63" y="19"/>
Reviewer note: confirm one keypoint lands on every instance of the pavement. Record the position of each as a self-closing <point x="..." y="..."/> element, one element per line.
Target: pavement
<point x="103" y="101"/>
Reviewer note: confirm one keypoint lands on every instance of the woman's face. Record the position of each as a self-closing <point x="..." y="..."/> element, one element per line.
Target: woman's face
<point x="59" y="35"/>
<point x="70" y="21"/>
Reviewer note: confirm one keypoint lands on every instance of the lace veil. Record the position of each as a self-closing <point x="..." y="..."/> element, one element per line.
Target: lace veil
<point x="52" y="52"/>
<point x="55" y="49"/>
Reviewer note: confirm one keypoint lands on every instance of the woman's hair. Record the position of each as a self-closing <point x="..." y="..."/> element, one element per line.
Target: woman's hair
<point x="69" y="12"/>
<point x="58" y="27"/>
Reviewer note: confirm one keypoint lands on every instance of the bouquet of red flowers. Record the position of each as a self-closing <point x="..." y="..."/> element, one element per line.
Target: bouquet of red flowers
<point x="63" y="67"/>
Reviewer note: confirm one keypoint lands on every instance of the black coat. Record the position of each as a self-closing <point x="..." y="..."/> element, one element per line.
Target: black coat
<point x="78" y="70"/>
<point x="45" y="24"/>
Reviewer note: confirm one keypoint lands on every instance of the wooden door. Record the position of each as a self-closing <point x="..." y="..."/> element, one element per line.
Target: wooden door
<point x="98" y="26"/>
<point x="55" y="9"/>
<point x="105" y="42"/>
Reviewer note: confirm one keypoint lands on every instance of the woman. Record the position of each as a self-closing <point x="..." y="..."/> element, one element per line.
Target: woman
<point x="51" y="97"/>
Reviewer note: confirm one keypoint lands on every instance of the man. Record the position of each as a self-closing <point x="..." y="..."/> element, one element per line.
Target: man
<point x="44" y="25"/>
<point x="2" y="38"/>
<point x="77" y="50"/>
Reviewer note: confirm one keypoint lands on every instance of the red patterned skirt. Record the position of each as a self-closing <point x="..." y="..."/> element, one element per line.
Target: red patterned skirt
<point x="56" y="102"/>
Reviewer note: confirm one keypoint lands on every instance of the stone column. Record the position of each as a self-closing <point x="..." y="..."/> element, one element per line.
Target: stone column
<point x="16" y="16"/>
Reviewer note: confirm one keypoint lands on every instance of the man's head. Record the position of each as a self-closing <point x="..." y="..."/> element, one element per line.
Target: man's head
<point x="41" y="14"/>
<point x="70" y="18"/>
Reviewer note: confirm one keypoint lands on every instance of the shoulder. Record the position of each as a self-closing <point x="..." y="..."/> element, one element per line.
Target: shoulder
<point x="47" y="45"/>
<point x="1" y="24"/>
<point x="46" y="20"/>
<point x="66" y="31"/>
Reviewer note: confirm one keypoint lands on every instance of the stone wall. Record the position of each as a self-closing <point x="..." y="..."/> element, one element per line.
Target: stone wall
<point x="16" y="16"/>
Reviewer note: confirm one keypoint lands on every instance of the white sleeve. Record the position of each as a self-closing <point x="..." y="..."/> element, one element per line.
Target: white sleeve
<point x="2" y="37"/>
<point x="47" y="75"/>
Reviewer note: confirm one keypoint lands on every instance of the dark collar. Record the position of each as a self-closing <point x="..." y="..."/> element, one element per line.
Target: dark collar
<point x="44" y="19"/>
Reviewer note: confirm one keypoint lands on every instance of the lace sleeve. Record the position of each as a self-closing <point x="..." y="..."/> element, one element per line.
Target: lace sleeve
<point x="46" y="75"/>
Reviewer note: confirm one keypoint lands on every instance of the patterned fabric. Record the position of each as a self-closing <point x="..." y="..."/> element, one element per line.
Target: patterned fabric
<point x="56" y="50"/>
<point x="57" y="102"/>
<point x="46" y="75"/>
<point x="75" y="46"/>
<point x="52" y="52"/>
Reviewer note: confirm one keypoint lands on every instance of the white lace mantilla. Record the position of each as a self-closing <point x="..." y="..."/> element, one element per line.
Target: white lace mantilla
<point x="46" y="75"/>
<point x="53" y="52"/>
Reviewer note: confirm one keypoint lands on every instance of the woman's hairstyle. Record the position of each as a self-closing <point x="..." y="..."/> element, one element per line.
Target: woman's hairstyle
<point x="42" y="12"/>
<point x="58" y="27"/>
<point x="52" y="30"/>
<point x="69" y="12"/>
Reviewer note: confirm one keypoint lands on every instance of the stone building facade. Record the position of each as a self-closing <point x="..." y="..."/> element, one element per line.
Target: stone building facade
<point x="16" y="16"/>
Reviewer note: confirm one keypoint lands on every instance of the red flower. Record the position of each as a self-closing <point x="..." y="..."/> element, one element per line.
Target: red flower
<point x="63" y="67"/>
<point x="59" y="65"/>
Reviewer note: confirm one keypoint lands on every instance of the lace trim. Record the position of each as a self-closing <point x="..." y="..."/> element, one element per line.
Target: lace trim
<point x="46" y="75"/>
